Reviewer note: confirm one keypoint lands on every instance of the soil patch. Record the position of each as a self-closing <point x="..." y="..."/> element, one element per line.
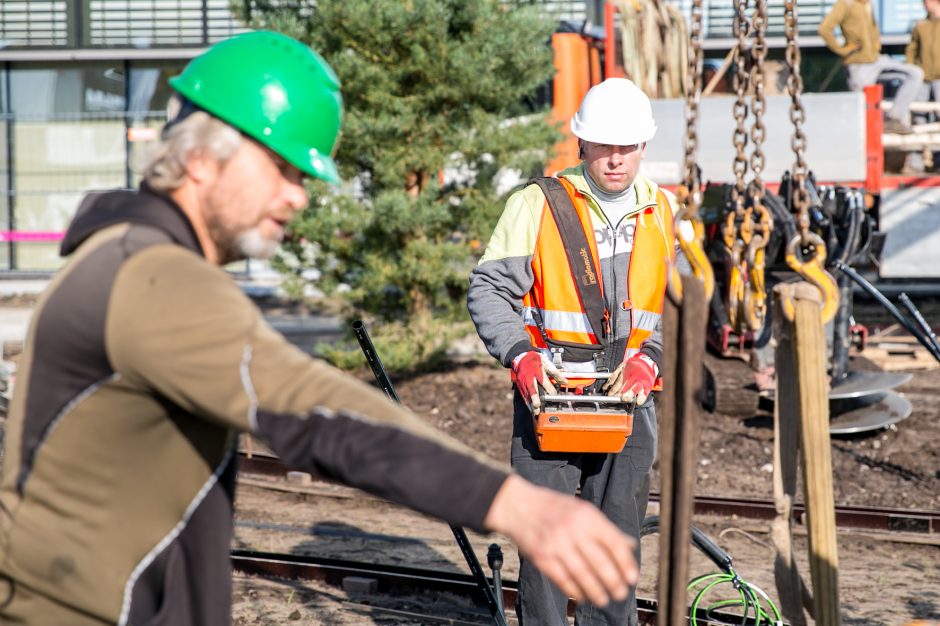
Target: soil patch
<point x="881" y="582"/>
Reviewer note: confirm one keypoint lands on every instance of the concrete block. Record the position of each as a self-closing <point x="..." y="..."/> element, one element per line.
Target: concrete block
<point x="360" y="584"/>
<point x="300" y="478"/>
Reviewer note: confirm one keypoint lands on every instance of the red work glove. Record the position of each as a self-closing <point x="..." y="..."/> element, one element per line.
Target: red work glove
<point x="531" y="369"/>
<point x="633" y="379"/>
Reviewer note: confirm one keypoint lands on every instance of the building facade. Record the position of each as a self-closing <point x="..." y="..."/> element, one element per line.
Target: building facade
<point x="83" y="87"/>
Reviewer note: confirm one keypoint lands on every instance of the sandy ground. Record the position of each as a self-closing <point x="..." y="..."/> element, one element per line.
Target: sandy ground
<point x="881" y="581"/>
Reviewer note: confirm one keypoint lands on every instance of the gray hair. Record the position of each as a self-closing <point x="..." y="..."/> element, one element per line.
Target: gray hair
<point x="164" y="167"/>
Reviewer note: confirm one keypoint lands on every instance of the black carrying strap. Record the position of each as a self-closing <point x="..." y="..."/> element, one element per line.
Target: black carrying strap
<point x="583" y="267"/>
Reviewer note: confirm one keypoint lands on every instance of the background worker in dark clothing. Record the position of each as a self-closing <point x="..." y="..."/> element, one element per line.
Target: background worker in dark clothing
<point x="527" y="309"/>
<point x="144" y="360"/>
<point x="861" y="53"/>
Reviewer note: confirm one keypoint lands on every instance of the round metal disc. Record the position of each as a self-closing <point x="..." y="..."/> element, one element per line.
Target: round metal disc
<point x="862" y="384"/>
<point x="851" y="416"/>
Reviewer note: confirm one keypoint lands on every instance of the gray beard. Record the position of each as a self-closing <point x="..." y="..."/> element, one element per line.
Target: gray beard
<point x="252" y="244"/>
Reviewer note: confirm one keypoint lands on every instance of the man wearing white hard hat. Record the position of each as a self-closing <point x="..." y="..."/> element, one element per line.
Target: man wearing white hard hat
<point x="572" y="283"/>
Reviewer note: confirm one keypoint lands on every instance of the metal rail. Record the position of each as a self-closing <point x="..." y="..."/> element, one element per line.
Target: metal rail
<point x="381" y="376"/>
<point x="389" y="577"/>
<point x="848" y="517"/>
<point x="857" y="518"/>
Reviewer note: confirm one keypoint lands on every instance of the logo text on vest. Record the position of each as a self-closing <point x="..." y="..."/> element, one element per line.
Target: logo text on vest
<point x="588" y="278"/>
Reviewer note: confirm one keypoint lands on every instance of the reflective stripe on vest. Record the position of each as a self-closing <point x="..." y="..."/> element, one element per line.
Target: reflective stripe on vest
<point x="553" y="292"/>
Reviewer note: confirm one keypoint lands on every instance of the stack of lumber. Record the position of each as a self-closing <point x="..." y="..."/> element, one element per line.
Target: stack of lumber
<point x="893" y="349"/>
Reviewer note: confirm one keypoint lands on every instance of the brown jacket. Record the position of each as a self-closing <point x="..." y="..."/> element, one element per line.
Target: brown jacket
<point x="924" y="48"/>
<point x="859" y="30"/>
<point x="142" y="364"/>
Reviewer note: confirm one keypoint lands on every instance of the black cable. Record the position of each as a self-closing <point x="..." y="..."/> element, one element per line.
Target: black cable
<point x="887" y="304"/>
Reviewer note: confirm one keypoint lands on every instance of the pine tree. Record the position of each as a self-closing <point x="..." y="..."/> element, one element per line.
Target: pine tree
<point x="437" y="105"/>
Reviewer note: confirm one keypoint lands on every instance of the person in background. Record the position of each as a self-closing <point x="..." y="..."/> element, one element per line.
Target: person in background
<point x="528" y="310"/>
<point x="924" y="51"/>
<point x="860" y="51"/>
<point x="144" y="361"/>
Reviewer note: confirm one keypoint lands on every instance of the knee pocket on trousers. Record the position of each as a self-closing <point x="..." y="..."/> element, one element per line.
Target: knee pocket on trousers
<point x="641" y="459"/>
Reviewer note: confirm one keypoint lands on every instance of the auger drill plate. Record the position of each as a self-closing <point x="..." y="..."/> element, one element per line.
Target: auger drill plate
<point x="862" y="384"/>
<point x="859" y="415"/>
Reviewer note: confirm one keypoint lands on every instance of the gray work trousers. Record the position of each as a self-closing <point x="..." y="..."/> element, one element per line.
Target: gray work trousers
<point x="618" y="484"/>
<point x="861" y="74"/>
<point x="929" y="92"/>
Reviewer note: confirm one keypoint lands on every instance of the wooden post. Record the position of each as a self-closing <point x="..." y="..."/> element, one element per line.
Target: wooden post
<point x="679" y="406"/>
<point x="786" y="453"/>
<point x="802" y="413"/>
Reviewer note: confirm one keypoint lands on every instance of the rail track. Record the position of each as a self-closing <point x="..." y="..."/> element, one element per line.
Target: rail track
<point x="924" y="523"/>
<point x="392" y="579"/>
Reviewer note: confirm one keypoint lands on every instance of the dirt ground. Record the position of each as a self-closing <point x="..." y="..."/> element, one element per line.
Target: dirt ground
<point x="881" y="582"/>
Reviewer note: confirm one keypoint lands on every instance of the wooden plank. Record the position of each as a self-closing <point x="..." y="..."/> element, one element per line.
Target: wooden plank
<point x="816" y="454"/>
<point x="684" y="337"/>
<point x="886" y="331"/>
<point x="900" y="358"/>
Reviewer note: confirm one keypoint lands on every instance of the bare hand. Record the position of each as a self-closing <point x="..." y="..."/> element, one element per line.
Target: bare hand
<point x="568" y="539"/>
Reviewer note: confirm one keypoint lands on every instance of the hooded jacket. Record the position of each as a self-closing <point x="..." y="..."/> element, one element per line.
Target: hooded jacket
<point x="142" y="364"/>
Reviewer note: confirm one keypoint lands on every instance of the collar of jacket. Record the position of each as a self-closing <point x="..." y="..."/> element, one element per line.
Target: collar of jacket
<point x="144" y="206"/>
<point x="645" y="189"/>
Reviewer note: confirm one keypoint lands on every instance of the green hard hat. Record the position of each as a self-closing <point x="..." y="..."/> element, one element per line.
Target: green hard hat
<point x="274" y="89"/>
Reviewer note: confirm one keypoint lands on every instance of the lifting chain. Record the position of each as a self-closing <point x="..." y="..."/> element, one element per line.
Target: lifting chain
<point x="740" y="105"/>
<point x="797" y="116"/>
<point x="693" y="183"/>
<point x="758" y="102"/>
<point x="755" y="297"/>
<point x="736" y="232"/>
<point x="691" y="240"/>
<point x="806" y="252"/>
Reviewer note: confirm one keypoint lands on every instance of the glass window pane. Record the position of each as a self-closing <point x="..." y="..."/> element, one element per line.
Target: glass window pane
<point x="5" y="247"/>
<point x="68" y="137"/>
<point x="42" y="91"/>
<point x="149" y="91"/>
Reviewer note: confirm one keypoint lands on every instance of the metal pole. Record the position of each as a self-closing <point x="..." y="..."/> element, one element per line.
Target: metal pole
<point x="10" y="191"/>
<point x="841" y="337"/>
<point x="495" y="560"/>
<point x="205" y="22"/>
<point x="381" y="376"/>
<point x="128" y="173"/>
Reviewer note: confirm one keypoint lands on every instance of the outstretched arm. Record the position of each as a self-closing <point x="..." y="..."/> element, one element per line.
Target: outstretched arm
<point x="568" y="539"/>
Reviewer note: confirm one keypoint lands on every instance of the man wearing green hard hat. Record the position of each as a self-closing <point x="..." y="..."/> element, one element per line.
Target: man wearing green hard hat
<point x="144" y="361"/>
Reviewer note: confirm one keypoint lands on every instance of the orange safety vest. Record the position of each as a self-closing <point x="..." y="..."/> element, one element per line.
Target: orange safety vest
<point x="555" y="299"/>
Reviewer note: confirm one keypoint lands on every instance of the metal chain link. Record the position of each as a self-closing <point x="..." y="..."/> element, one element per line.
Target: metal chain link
<point x="690" y="193"/>
<point x="797" y="116"/>
<point x="693" y="183"/>
<point x="811" y="268"/>
<point x="758" y="101"/>
<point x="740" y="105"/>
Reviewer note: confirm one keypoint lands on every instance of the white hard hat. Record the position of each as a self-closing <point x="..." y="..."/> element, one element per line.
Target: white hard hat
<point x="615" y="112"/>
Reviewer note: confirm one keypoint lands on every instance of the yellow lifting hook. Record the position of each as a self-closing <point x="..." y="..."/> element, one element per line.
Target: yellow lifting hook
<point x="690" y="241"/>
<point x="813" y="270"/>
